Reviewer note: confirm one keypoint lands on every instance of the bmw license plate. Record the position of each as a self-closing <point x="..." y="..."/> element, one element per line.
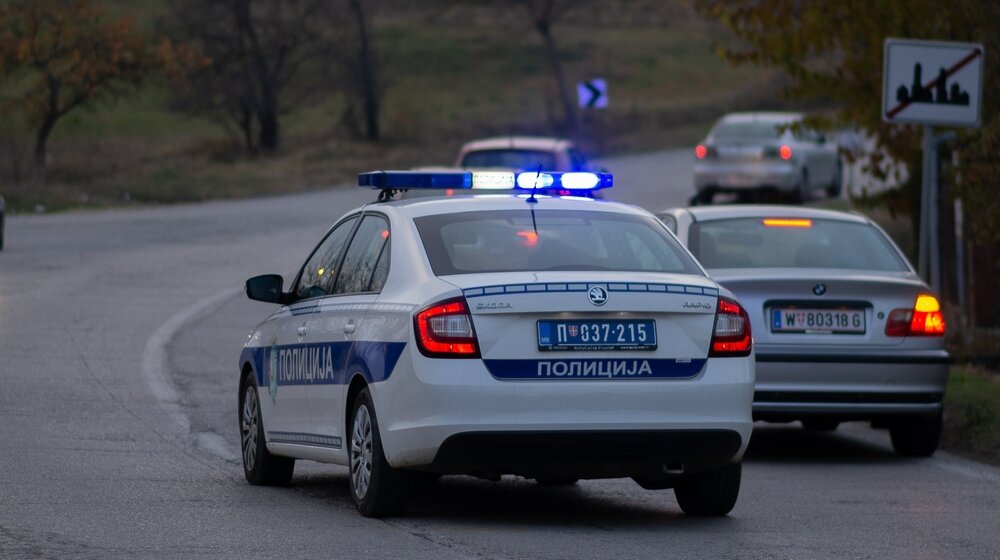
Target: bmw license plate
<point x="597" y="335"/>
<point x="819" y="321"/>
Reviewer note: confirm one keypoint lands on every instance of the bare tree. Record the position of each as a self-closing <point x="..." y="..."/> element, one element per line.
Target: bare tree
<point x="363" y="69"/>
<point x="258" y="52"/>
<point x="544" y="15"/>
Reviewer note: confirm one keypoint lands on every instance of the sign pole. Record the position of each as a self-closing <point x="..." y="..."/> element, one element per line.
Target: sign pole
<point x="925" y="206"/>
<point x="935" y="217"/>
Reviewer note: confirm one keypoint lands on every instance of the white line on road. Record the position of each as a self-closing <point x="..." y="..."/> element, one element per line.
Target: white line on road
<point x="156" y="370"/>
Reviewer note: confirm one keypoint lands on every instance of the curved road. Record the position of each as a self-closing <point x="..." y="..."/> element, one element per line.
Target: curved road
<point x="119" y="335"/>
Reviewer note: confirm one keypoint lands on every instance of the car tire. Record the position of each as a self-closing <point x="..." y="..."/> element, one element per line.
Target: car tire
<point x="802" y="193"/>
<point x="555" y="481"/>
<point x="378" y="489"/>
<point x="833" y="191"/>
<point x="703" y="197"/>
<point x="820" y="425"/>
<point x="259" y="466"/>
<point x="710" y="493"/>
<point x="1" y="231"/>
<point x="916" y="436"/>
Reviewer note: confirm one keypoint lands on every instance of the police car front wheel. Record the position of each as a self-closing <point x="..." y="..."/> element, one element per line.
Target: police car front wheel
<point x="378" y="489"/>
<point x="259" y="465"/>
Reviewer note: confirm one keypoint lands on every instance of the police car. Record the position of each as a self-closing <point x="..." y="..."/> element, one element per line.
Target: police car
<point x="554" y="338"/>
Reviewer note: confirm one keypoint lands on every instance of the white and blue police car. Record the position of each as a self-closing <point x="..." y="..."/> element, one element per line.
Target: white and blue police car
<point x="556" y="338"/>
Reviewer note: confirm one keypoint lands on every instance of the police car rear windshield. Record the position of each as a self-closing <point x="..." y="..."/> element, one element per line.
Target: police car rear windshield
<point x="508" y="241"/>
<point x="513" y="159"/>
<point x="749" y="243"/>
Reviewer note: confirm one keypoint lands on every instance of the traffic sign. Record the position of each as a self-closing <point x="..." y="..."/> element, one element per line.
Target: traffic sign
<point x="932" y="82"/>
<point x="593" y="94"/>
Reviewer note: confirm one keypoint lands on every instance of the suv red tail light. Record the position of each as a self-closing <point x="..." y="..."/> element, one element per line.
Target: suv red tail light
<point x="444" y="330"/>
<point x="924" y="319"/>
<point x="731" y="336"/>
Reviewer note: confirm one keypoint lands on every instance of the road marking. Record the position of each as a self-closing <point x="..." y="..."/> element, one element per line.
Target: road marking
<point x="156" y="371"/>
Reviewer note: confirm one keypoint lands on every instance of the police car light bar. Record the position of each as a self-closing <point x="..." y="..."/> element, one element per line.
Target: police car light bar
<point x="415" y="180"/>
<point x="485" y="180"/>
<point x="568" y="181"/>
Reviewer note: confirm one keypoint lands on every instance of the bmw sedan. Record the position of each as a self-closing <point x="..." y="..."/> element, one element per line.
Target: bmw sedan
<point x="843" y="326"/>
<point x="553" y="338"/>
<point x="747" y="153"/>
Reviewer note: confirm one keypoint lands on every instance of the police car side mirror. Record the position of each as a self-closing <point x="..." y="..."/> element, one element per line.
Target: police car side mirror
<point x="266" y="288"/>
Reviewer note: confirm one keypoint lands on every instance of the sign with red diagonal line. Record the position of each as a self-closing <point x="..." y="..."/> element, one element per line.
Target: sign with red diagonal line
<point x="932" y="82"/>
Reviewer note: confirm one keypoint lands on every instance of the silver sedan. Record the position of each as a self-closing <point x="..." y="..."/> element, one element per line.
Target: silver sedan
<point x="843" y="326"/>
<point x="750" y="152"/>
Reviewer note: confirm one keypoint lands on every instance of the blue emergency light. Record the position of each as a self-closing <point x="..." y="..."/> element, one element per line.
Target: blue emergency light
<point x="545" y="182"/>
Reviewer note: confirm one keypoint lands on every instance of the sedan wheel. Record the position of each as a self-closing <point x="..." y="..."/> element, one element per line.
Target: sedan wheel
<point x="259" y="465"/>
<point x="378" y="489"/>
<point x="916" y="436"/>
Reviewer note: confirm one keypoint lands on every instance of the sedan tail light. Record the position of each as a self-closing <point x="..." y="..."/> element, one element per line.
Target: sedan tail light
<point x="444" y="330"/>
<point x="702" y="151"/>
<point x="784" y="152"/>
<point x="731" y="337"/>
<point x="924" y="319"/>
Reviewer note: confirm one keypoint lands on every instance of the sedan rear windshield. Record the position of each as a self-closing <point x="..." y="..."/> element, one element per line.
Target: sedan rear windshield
<point x="515" y="159"/>
<point x="749" y="243"/>
<point x="748" y="130"/>
<point x="516" y="241"/>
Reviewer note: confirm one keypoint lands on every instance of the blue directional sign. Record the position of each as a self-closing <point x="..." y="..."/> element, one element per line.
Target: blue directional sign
<point x="593" y="94"/>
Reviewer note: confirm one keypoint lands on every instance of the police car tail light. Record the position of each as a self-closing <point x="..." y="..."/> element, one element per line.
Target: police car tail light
<point x="444" y="330"/>
<point x="732" y="330"/>
<point x="924" y="319"/>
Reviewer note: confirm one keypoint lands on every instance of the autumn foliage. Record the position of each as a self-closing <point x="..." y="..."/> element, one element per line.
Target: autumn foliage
<point x="833" y="50"/>
<point x="64" y="54"/>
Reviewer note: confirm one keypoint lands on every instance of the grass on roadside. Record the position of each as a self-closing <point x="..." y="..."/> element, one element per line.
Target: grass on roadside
<point x="972" y="414"/>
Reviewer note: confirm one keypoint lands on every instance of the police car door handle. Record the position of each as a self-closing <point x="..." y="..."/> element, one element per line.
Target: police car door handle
<point x="349" y="327"/>
<point x="302" y="330"/>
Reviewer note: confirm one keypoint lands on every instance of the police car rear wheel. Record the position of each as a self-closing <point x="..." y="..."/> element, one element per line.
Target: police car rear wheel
<point x="378" y="489"/>
<point x="259" y="465"/>
<point x="710" y="493"/>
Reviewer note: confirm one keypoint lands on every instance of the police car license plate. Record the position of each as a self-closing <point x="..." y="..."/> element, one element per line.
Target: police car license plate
<point x="818" y="321"/>
<point x="597" y="335"/>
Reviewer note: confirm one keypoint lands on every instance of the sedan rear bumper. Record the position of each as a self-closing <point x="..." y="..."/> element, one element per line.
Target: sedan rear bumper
<point x="745" y="176"/>
<point x="849" y="387"/>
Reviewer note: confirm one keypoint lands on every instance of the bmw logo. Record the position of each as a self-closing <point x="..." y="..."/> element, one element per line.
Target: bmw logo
<point x="598" y="295"/>
<point x="819" y="289"/>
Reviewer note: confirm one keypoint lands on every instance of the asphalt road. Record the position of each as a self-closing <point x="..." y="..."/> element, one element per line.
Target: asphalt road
<point x="119" y="336"/>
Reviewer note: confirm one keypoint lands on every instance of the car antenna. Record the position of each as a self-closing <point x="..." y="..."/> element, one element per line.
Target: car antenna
<point x="531" y="199"/>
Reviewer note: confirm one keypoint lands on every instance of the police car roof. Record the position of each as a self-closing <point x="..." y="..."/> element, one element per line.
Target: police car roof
<point x="426" y="206"/>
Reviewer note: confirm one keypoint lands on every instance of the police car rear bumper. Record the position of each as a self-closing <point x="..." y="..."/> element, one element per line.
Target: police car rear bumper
<point x="587" y="453"/>
<point x="453" y="416"/>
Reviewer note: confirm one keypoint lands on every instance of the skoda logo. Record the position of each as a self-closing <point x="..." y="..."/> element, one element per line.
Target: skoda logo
<point x="819" y="289"/>
<point x="598" y="295"/>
